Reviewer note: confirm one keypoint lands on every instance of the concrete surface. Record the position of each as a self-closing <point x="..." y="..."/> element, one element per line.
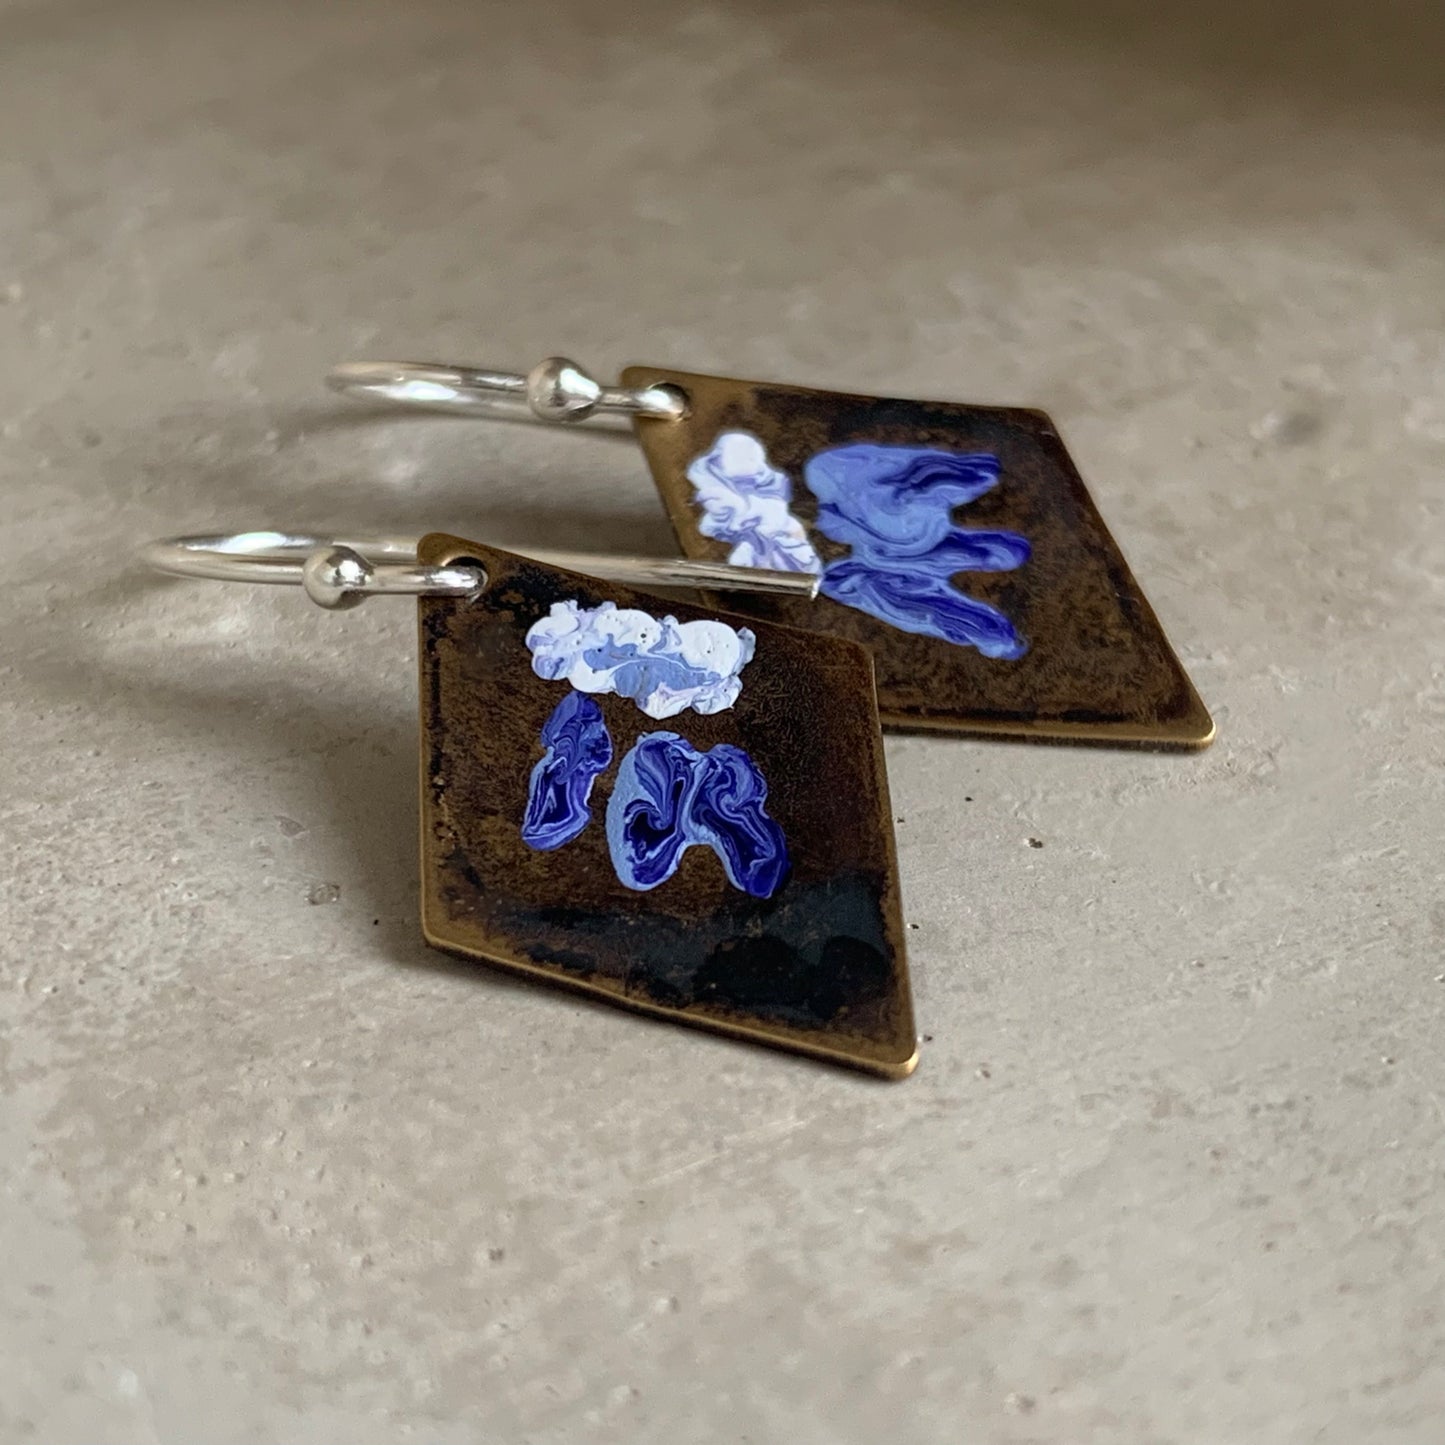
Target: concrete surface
<point x="1171" y="1168"/>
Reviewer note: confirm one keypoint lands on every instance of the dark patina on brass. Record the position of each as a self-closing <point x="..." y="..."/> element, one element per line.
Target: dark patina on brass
<point x="1099" y="667"/>
<point x="818" y="967"/>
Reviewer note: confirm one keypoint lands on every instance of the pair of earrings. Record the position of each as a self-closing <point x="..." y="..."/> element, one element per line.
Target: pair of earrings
<point x="684" y="808"/>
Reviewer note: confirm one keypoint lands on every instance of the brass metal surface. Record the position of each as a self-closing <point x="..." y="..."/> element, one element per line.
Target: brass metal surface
<point x="1099" y="667"/>
<point x="818" y="968"/>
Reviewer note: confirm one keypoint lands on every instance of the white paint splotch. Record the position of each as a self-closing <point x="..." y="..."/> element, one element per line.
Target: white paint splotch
<point x="744" y="500"/>
<point x="663" y="665"/>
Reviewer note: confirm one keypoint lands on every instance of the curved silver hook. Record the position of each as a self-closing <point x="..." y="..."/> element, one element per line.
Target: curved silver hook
<point x="340" y="574"/>
<point x="555" y="390"/>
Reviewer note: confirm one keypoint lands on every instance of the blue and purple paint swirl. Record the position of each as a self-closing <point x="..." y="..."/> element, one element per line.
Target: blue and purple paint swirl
<point x="668" y="796"/>
<point x="893" y="506"/>
<point x="577" y="747"/>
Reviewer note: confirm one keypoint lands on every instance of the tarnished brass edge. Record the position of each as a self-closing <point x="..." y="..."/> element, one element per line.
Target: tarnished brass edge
<point x="892" y="1069"/>
<point x="1183" y="740"/>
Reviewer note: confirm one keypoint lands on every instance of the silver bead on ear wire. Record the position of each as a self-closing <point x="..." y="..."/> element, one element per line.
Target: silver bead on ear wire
<point x="559" y="390"/>
<point x="337" y="578"/>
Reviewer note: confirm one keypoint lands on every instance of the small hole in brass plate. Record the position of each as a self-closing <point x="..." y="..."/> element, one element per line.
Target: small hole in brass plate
<point x="463" y="559"/>
<point x="672" y="389"/>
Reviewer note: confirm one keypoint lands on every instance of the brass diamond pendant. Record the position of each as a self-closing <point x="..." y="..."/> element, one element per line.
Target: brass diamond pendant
<point x="957" y="543"/>
<point x="665" y="806"/>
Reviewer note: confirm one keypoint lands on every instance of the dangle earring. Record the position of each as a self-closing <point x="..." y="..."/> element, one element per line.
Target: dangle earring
<point x="662" y="805"/>
<point x="957" y="543"/>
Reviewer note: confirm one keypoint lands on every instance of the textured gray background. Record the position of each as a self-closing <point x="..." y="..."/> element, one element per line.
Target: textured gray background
<point x="1170" y="1170"/>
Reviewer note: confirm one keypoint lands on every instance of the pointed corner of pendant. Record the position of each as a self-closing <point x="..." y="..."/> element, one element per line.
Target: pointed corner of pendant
<point x="1196" y="729"/>
<point x="899" y="1069"/>
<point x="893" y="1057"/>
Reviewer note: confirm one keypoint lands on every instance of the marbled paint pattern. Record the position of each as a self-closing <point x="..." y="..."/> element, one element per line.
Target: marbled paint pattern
<point x="669" y="796"/>
<point x="893" y="506"/>
<point x="663" y="665"/>
<point x="577" y="748"/>
<point x="744" y="500"/>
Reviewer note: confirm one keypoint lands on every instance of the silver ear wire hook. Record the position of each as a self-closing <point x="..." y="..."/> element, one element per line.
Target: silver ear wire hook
<point x="555" y="390"/>
<point x="342" y="574"/>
